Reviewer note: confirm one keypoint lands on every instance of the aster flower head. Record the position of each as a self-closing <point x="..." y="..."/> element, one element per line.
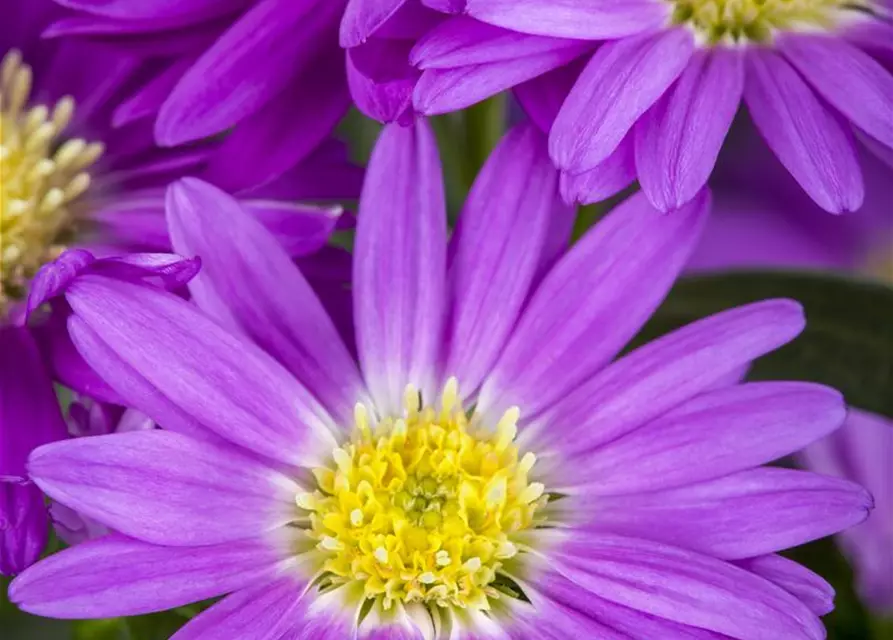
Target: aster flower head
<point x="481" y="469"/>
<point x="268" y="72"/>
<point x="79" y="168"/>
<point x="653" y="85"/>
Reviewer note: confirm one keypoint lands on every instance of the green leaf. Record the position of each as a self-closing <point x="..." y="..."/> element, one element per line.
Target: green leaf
<point x="847" y="343"/>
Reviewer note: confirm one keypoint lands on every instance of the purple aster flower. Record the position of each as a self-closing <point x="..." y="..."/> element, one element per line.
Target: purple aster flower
<point x="861" y="451"/>
<point x="481" y="470"/>
<point x="776" y="225"/>
<point x="657" y="84"/>
<point x="70" y="177"/>
<point x="268" y="71"/>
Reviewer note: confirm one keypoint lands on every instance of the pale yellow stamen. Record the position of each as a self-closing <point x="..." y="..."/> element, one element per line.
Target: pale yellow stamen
<point x="41" y="178"/>
<point x="422" y="508"/>
<point x="740" y="21"/>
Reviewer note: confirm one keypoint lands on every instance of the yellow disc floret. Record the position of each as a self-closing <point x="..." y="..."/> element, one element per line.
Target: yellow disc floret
<point x="424" y="507"/>
<point x="737" y="21"/>
<point x="41" y="177"/>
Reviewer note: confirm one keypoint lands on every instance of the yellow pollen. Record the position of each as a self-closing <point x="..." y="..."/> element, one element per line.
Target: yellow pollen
<point x="423" y="508"/>
<point x="41" y="177"/>
<point x="740" y="21"/>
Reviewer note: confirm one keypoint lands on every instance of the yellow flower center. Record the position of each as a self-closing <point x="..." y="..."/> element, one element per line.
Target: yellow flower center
<point x="41" y="176"/>
<point x="424" y="508"/>
<point x="737" y="21"/>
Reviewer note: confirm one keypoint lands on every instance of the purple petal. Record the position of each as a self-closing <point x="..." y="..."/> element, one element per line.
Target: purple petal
<point x="542" y="97"/>
<point x="182" y="12"/>
<point x="461" y="41"/>
<point x="147" y="100"/>
<point x="861" y="451"/>
<point x="612" y="175"/>
<point x="796" y="579"/>
<point x="25" y="526"/>
<point x="129" y="385"/>
<point x="245" y="68"/>
<point x="589" y="19"/>
<point x="620" y="83"/>
<point x="262" y="612"/>
<point x="29" y="410"/>
<point x="496" y="252"/>
<point x="165" y="488"/>
<point x="739" y="516"/>
<point x="664" y="373"/>
<point x="555" y="598"/>
<point x="301" y="229"/>
<point x="807" y="138"/>
<point x="318" y="177"/>
<point x="250" y="284"/>
<point x="54" y="277"/>
<point x="386" y="98"/>
<point x="679" y="138"/>
<point x="607" y="285"/>
<point x="400" y="265"/>
<point x="226" y="384"/>
<point x="134" y="220"/>
<point x="686" y="587"/>
<point x="66" y="365"/>
<point x="748" y="425"/>
<point x="285" y="130"/>
<point x="118" y="576"/>
<point x="362" y="18"/>
<point x="164" y="269"/>
<point x="444" y="90"/>
<point x="849" y="79"/>
<point x="558" y="237"/>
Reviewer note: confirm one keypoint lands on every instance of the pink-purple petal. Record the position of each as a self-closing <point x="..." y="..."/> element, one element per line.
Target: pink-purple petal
<point x="445" y="90"/>
<point x="612" y="175"/>
<point x="664" y="373"/>
<point x="248" y="281"/>
<point x="588" y="19"/>
<point x="222" y="382"/>
<point x="743" y="515"/>
<point x="748" y="425"/>
<point x="620" y="83"/>
<point x="849" y="79"/>
<point x="591" y="304"/>
<point x="400" y="265"/>
<point x="686" y="587"/>
<point x="118" y="576"/>
<point x="247" y="66"/>
<point x="810" y="141"/>
<point x="496" y="252"/>
<point x="165" y="488"/>
<point x="810" y="588"/>
<point x="362" y="18"/>
<point x="25" y="529"/>
<point x="261" y="612"/>
<point x="29" y="410"/>
<point x="678" y="139"/>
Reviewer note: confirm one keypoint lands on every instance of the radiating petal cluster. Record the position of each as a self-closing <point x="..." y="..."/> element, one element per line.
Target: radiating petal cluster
<point x="562" y="490"/>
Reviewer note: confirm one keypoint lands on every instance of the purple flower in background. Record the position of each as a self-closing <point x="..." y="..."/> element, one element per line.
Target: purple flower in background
<point x="861" y="451"/>
<point x="269" y="72"/>
<point x="70" y="177"/>
<point x="776" y="225"/>
<point x="653" y="85"/>
<point x="481" y="470"/>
